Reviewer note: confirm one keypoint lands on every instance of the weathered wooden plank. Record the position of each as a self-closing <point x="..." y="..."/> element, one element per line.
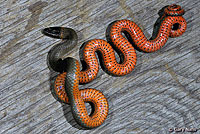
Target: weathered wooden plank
<point x="161" y="93"/>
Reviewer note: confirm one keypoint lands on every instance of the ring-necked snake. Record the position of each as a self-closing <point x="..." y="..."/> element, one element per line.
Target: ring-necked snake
<point x="66" y="84"/>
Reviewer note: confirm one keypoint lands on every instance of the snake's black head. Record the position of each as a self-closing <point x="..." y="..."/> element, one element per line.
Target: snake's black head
<point x="54" y="32"/>
<point x="60" y="33"/>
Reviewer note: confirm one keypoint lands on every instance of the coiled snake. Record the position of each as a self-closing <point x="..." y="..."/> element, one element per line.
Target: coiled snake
<point x="66" y="84"/>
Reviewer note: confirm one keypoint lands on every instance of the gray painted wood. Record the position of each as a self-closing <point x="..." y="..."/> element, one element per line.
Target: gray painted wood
<point x="162" y="92"/>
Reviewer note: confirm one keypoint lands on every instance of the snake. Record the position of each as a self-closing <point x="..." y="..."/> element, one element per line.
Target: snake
<point x="66" y="84"/>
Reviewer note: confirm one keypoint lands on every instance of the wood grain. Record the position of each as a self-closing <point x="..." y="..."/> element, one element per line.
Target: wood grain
<point x="162" y="92"/>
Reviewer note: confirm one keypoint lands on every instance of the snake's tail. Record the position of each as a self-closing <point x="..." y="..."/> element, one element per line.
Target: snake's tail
<point x="179" y="23"/>
<point x="171" y="25"/>
<point x="178" y="28"/>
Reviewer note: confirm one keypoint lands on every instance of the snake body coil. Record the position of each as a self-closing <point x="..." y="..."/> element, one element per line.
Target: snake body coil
<point x="66" y="84"/>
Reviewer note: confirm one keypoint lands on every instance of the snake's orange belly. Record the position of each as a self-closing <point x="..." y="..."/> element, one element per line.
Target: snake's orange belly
<point x="85" y="95"/>
<point x="77" y="98"/>
<point x="109" y="60"/>
<point x="125" y="47"/>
